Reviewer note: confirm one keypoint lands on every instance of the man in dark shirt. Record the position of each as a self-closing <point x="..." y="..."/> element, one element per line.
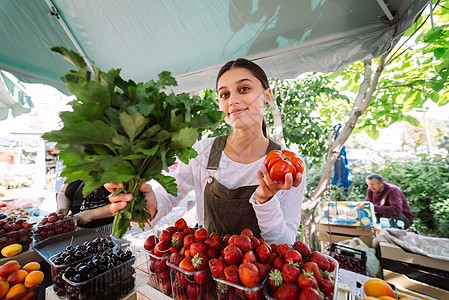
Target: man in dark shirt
<point x="389" y="201"/>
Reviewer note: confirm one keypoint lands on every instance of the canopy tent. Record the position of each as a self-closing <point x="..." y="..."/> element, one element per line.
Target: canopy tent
<point x="192" y="39"/>
<point x="12" y="98"/>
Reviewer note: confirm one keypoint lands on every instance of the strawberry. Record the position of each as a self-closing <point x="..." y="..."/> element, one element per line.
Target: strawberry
<point x="215" y="236"/>
<point x="161" y="248"/>
<point x="182" y="279"/>
<point x="249" y="257"/>
<point x="177" y="238"/>
<point x="197" y="248"/>
<point x="201" y="235"/>
<point x="200" y="261"/>
<point x="189" y="239"/>
<point x="175" y="258"/>
<point x="188" y="231"/>
<point x="287" y="291"/>
<point x="174" y="249"/>
<point x="326" y="286"/>
<point x="59" y="230"/>
<point x="248" y="232"/>
<point x="232" y="255"/>
<point x="254" y="242"/>
<point x="160" y="265"/>
<point x="216" y="266"/>
<point x="302" y="248"/>
<point x="253" y="295"/>
<point x="275" y="278"/>
<point x="171" y="229"/>
<point x="187" y="265"/>
<point x="306" y="279"/>
<point x="212" y="253"/>
<point x="313" y="267"/>
<point x="194" y="291"/>
<point x="182" y="297"/>
<point x="320" y="259"/>
<point x="52" y="219"/>
<point x="274" y="248"/>
<point x="290" y="273"/>
<point x="225" y="240"/>
<point x="248" y="274"/>
<point x="243" y="242"/>
<point x="232" y="274"/>
<point x="309" y="294"/>
<point x="202" y="277"/>
<point x="165" y="235"/>
<point x="212" y="243"/>
<point x="180" y="224"/>
<point x="165" y="287"/>
<point x="154" y="281"/>
<point x="292" y="257"/>
<point x="331" y="265"/>
<point x="282" y="249"/>
<point x="271" y="258"/>
<point x="263" y="271"/>
<point x="263" y="252"/>
<point x="164" y="275"/>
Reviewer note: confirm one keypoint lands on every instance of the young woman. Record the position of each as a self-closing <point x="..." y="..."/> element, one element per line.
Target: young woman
<point x="233" y="189"/>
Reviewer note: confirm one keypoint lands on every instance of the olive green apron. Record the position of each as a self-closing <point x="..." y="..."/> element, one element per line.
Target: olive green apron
<point x="228" y="210"/>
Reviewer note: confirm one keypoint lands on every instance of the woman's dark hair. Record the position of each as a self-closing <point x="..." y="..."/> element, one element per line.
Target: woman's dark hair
<point x="257" y="71"/>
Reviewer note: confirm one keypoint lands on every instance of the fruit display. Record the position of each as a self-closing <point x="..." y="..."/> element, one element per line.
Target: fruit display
<point x="17" y="282"/>
<point x="159" y="275"/>
<point x="108" y="275"/>
<point x="378" y="289"/>
<point x="72" y="256"/>
<point x="54" y="224"/>
<point x="349" y="258"/>
<point x="11" y="210"/>
<point x="15" y="231"/>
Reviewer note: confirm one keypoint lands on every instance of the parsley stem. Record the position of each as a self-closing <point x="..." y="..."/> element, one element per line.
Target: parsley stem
<point x="110" y="148"/>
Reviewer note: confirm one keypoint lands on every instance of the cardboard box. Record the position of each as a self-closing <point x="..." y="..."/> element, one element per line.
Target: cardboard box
<point x="347" y="213"/>
<point x="394" y="252"/>
<point x="403" y="281"/>
<point x="339" y="233"/>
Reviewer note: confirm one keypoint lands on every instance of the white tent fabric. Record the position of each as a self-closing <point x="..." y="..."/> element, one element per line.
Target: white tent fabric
<point x="7" y="102"/>
<point x="192" y="39"/>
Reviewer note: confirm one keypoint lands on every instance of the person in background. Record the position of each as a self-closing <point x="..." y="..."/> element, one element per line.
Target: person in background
<point x="92" y="211"/>
<point x="389" y="201"/>
<point x="233" y="189"/>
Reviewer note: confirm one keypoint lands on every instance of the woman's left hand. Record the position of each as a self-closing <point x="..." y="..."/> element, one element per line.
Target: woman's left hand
<point x="85" y="217"/>
<point x="268" y="188"/>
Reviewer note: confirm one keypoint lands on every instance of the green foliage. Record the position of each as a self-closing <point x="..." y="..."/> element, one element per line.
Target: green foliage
<point x="122" y="131"/>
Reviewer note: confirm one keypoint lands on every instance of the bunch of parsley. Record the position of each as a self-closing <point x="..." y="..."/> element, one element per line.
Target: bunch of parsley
<point x="122" y="131"/>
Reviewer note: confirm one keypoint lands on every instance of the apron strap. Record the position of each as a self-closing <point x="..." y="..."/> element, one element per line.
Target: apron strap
<point x="218" y="147"/>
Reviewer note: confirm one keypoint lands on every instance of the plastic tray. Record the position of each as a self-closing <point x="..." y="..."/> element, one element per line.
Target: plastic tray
<point x="22" y="236"/>
<point x="204" y="291"/>
<point x="30" y="293"/>
<point x="57" y="228"/>
<point x="57" y="244"/>
<point x="349" y="258"/>
<point x="334" y="274"/>
<point x="110" y="285"/>
<point x="229" y="290"/>
<point x="158" y="272"/>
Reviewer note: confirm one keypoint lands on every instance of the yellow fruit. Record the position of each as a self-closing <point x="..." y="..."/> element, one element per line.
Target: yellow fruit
<point x="15" y="290"/>
<point x="386" y="298"/>
<point x="12" y="250"/>
<point x="34" y="278"/>
<point x="376" y="287"/>
<point x="32" y="266"/>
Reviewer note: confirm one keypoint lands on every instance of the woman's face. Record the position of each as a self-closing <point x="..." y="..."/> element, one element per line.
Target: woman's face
<point x="242" y="98"/>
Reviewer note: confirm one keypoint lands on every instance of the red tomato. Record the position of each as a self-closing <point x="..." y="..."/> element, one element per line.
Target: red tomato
<point x="279" y="163"/>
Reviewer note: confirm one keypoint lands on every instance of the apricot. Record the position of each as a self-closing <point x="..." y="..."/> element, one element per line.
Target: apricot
<point x="3" y="278"/>
<point x="31" y="295"/>
<point x="370" y="298"/>
<point x="32" y="266"/>
<point x="9" y="267"/>
<point x="17" y="277"/>
<point x="376" y="287"/>
<point x="386" y="298"/>
<point x="16" y="290"/>
<point x="4" y="287"/>
<point x="34" y="278"/>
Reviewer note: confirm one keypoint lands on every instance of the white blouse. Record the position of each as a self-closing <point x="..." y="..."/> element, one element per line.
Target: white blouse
<point x="279" y="218"/>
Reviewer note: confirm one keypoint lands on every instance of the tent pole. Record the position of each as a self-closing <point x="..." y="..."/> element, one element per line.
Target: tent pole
<point x="385" y="9"/>
<point x="55" y="12"/>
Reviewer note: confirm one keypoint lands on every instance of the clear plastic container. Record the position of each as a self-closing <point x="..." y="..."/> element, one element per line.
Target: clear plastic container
<point x="23" y="237"/>
<point x="158" y="272"/>
<point x="334" y="274"/>
<point x="229" y="290"/>
<point x="57" y="270"/>
<point x="199" y="283"/>
<point x="51" y="229"/>
<point x="113" y="284"/>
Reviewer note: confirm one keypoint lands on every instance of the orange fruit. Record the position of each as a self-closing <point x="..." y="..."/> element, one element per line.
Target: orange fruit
<point x="376" y="287"/>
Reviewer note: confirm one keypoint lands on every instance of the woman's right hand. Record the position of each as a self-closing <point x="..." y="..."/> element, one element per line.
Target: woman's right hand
<point x="120" y="200"/>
